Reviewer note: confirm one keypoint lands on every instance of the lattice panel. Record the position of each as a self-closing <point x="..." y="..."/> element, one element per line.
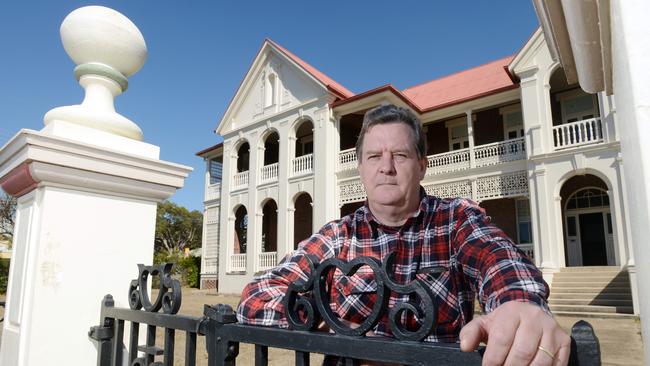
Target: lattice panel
<point x="461" y="188"/>
<point x="351" y="192"/>
<point x="212" y="215"/>
<point x="211" y="240"/>
<point x="501" y="186"/>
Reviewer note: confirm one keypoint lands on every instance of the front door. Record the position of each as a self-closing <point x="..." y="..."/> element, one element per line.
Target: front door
<point x="592" y="239"/>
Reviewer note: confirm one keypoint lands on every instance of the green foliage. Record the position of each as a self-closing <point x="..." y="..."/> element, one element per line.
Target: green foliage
<point x="4" y="274"/>
<point x="7" y="216"/>
<point x="186" y="269"/>
<point x="177" y="228"/>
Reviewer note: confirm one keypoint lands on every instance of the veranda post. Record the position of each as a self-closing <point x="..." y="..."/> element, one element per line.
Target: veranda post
<point x="83" y="176"/>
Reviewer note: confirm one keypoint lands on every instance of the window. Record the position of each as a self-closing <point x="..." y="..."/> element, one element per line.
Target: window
<point x="524" y="227"/>
<point x="588" y="198"/>
<point x="577" y="106"/>
<point x="216" y="169"/>
<point x="458" y="137"/>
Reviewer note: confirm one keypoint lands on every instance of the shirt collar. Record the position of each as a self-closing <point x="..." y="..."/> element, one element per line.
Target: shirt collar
<point x="369" y="218"/>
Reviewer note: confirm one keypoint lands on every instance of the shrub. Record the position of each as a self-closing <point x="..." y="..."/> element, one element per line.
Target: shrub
<point x="186" y="270"/>
<point x="4" y="274"/>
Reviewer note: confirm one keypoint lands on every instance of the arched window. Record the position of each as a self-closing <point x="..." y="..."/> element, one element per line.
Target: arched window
<point x="270" y="91"/>
<point x="588" y="198"/>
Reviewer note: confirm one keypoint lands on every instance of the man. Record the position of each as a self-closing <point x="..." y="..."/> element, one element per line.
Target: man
<point x="424" y="231"/>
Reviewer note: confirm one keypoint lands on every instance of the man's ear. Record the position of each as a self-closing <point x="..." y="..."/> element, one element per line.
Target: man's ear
<point x="423" y="167"/>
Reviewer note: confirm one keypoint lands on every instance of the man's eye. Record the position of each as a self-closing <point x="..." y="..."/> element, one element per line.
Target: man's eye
<point x="399" y="156"/>
<point x="373" y="157"/>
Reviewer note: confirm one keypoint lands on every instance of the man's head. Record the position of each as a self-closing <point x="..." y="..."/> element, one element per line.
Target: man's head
<point x="389" y="113"/>
<point x="391" y="152"/>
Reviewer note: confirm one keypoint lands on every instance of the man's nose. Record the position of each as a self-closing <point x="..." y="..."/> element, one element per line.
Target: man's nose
<point x="387" y="165"/>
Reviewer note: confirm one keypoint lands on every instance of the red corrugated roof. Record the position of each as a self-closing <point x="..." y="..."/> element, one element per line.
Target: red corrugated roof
<point x="465" y="85"/>
<point x="326" y="80"/>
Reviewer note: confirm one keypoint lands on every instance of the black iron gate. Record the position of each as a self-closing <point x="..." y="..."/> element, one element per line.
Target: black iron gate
<point x="306" y="303"/>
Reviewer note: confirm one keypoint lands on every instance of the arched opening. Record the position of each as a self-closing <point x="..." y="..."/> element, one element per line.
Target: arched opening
<point x="270" y="227"/>
<point x="576" y="116"/>
<point x="302" y="219"/>
<point x="243" y="157"/>
<point x="305" y="139"/>
<point x="272" y="149"/>
<point x="241" y="230"/>
<point x="588" y="231"/>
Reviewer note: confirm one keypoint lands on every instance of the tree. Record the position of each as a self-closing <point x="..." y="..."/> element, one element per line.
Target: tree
<point x="7" y="216"/>
<point x="177" y="228"/>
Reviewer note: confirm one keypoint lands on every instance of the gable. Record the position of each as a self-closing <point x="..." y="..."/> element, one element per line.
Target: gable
<point x="534" y="54"/>
<point x="273" y="84"/>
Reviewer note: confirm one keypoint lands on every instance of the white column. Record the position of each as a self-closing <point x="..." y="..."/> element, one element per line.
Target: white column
<point x="630" y="60"/>
<point x="470" y="138"/>
<point x="87" y="191"/>
<point x="284" y="201"/>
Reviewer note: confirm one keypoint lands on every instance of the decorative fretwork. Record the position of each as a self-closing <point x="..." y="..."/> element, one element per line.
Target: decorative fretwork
<point x="502" y="186"/>
<point x="352" y="191"/>
<point x="462" y="188"/>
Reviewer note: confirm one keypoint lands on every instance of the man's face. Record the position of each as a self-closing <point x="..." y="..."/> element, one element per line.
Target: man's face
<point x="389" y="167"/>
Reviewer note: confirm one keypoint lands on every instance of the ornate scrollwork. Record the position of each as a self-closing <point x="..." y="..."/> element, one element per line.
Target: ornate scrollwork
<point x="169" y="295"/>
<point x="306" y="302"/>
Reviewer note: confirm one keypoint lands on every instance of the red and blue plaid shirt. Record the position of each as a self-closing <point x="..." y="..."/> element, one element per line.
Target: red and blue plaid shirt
<point x="453" y="233"/>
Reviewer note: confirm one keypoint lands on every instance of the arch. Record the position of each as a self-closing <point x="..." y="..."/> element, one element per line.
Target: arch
<point x="269" y="226"/>
<point x="303" y="132"/>
<point x="587" y="221"/>
<point x="270" y="141"/>
<point x="242" y="150"/>
<point x="240" y="229"/>
<point x="302" y="218"/>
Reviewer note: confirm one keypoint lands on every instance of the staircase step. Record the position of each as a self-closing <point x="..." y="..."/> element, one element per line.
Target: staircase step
<point x="591" y="269"/>
<point x="595" y="315"/>
<point x="602" y="302"/>
<point x="594" y="278"/>
<point x="619" y="287"/>
<point x="591" y="295"/>
<point x="592" y="308"/>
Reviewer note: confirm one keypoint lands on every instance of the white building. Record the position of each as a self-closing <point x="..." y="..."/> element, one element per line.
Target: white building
<point x="541" y="156"/>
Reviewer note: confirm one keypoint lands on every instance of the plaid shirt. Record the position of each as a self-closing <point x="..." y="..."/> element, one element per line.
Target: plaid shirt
<point x="453" y="233"/>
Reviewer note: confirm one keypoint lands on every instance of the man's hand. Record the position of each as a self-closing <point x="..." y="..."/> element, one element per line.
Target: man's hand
<point x="517" y="333"/>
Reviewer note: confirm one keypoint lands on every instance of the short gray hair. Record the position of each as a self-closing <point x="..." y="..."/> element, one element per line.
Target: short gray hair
<point x="389" y="113"/>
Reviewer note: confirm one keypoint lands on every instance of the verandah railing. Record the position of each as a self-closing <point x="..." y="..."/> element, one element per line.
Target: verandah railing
<point x="306" y="303"/>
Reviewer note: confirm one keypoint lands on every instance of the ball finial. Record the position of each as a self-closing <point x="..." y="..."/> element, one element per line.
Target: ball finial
<point x="96" y="34"/>
<point x="107" y="48"/>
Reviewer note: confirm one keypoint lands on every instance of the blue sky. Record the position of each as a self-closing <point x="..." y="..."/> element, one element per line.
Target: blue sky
<point x="200" y="50"/>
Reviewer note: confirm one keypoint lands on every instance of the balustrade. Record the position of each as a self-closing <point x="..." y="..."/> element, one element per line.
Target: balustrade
<point x="448" y="162"/>
<point x="238" y="262"/>
<point x="588" y="131"/>
<point x="213" y="192"/>
<point x="268" y="260"/>
<point x="500" y="152"/>
<point x="269" y="173"/>
<point x="348" y="160"/>
<point x="240" y="180"/>
<point x="303" y="165"/>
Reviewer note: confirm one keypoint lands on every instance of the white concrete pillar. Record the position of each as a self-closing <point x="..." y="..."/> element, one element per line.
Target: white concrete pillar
<point x="470" y="138"/>
<point x="630" y="60"/>
<point x="285" y="236"/>
<point x="87" y="190"/>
